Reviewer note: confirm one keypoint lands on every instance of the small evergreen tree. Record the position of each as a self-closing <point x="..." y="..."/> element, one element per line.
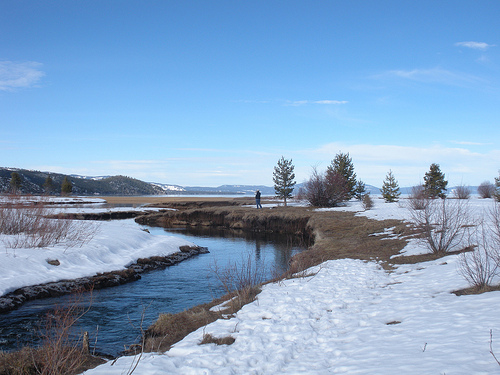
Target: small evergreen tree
<point x="360" y="190"/>
<point x="283" y="177"/>
<point x="66" y="187"/>
<point x="390" y="188"/>
<point x="48" y="185"/>
<point x="434" y="182"/>
<point x="342" y="164"/>
<point x="15" y="182"/>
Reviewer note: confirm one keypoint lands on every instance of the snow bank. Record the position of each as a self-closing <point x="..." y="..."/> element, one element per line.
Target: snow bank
<point x="115" y="245"/>
<point x="350" y="318"/>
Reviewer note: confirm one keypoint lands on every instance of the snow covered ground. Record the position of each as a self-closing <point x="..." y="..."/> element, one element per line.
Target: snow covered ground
<point x="115" y="245"/>
<point x="346" y="317"/>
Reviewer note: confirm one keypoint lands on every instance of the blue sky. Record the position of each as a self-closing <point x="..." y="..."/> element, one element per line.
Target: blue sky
<point x="215" y="92"/>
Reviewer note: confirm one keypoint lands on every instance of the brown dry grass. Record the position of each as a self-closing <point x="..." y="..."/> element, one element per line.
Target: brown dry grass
<point x="171" y="328"/>
<point x="336" y="235"/>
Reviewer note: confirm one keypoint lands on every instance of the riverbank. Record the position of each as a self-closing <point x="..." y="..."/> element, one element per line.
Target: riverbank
<point x="108" y="257"/>
<point x="348" y="316"/>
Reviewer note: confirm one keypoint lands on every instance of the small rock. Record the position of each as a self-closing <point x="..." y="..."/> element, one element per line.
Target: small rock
<point x="53" y="262"/>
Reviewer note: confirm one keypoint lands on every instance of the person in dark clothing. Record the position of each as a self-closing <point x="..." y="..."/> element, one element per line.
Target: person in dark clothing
<point x="257" y="199"/>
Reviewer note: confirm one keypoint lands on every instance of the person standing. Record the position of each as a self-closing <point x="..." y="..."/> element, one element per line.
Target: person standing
<point x="257" y="199"/>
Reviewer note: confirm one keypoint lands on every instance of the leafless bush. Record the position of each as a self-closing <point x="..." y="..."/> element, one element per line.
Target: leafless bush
<point x="480" y="266"/>
<point x="494" y="219"/>
<point x="367" y="202"/>
<point x="326" y="189"/>
<point x="26" y="224"/>
<point x="418" y="200"/>
<point x="443" y="223"/>
<point x="486" y="190"/>
<point x="462" y="192"/>
<point x="240" y="278"/>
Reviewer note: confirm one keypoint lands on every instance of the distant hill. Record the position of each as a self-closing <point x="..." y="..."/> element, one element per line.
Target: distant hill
<point x="32" y="183"/>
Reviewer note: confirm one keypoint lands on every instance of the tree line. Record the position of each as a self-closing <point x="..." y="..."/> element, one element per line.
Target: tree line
<point x="339" y="183"/>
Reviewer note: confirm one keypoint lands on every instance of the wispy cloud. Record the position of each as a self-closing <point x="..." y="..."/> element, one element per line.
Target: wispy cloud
<point x="468" y="143"/>
<point x="475" y="45"/>
<point x="409" y="164"/>
<point x="433" y="75"/>
<point x="306" y="102"/>
<point x="17" y="75"/>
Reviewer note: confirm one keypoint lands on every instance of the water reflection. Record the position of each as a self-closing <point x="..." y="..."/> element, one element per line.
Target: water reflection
<point x="118" y="314"/>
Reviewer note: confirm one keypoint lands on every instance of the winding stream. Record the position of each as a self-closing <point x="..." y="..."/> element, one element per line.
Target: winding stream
<point x="116" y="314"/>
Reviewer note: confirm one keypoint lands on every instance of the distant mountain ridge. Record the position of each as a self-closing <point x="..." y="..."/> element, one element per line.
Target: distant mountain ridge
<point x="33" y="183"/>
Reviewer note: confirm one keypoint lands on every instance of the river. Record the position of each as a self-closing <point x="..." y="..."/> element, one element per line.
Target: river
<point x="116" y="315"/>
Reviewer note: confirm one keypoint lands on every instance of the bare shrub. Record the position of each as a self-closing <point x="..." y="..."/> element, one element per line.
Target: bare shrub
<point x="494" y="219"/>
<point x="60" y="352"/>
<point x="326" y="189"/>
<point x="486" y="189"/>
<point x="462" y="192"/>
<point x="241" y="278"/>
<point x="27" y="224"/>
<point x="480" y="266"/>
<point x="367" y="202"/>
<point x="417" y="199"/>
<point x="443" y="223"/>
<point x="315" y="189"/>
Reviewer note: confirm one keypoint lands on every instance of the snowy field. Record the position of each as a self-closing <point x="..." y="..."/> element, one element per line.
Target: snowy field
<point x="346" y="317"/>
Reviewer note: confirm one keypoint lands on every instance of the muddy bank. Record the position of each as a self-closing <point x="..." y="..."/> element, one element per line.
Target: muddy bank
<point x="293" y="221"/>
<point x="13" y="300"/>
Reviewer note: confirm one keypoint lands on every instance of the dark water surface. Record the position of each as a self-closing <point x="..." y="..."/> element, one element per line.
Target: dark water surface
<point x="116" y="314"/>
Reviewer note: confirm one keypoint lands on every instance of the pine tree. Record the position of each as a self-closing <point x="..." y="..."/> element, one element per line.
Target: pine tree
<point x="15" y="182"/>
<point x="496" y="194"/>
<point x="283" y="177"/>
<point x="342" y="165"/>
<point x="434" y="182"/>
<point x="390" y="188"/>
<point x="360" y="190"/>
<point x="48" y="185"/>
<point x="66" y="187"/>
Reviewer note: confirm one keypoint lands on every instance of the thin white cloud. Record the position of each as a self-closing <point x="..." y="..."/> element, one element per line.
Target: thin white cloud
<point x="409" y="164"/>
<point x="306" y="102"/>
<point x="468" y="143"/>
<point x="475" y="45"/>
<point x="18" y="75"/>
<point x="434" y="75"/>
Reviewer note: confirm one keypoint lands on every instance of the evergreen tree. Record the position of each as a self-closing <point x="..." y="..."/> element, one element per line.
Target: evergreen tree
<point x="360" y="190"/>
<point x="497" y="188"/>
<point x="66" y="187"/>
<point x="434" y="182"/>
<point x="48" y="185"/>
<point x="283" y="177"/>
<point x="15" y="182"/>
<point x="342" y="165"/>
<point x="390" y="188"/>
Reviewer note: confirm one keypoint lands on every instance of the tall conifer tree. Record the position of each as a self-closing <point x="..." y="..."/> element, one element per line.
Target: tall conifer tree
<point x="434" y="182"/>
<point x="342" y="165"/>
<point x="283" y="177"/>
